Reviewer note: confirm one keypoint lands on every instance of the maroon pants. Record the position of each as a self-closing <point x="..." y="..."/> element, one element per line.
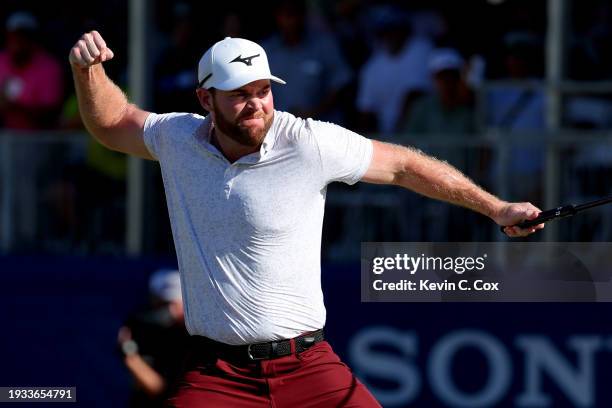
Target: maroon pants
<point x="313" y="378"/>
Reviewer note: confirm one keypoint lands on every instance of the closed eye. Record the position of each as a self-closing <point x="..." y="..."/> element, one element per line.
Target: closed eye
<point x="264" y="91"/>
<point x="245" y="95"/>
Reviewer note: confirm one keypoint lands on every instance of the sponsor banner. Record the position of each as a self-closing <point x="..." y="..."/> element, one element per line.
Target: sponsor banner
<point x="476" y="368"/>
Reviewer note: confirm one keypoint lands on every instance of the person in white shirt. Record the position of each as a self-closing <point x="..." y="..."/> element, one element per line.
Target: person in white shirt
<point x="246" y="189"/>
<point x="395" y="75"/>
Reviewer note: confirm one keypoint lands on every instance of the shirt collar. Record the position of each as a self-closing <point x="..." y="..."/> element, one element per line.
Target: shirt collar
<point x="265" y="148"/>
<point x="270" y="138"/>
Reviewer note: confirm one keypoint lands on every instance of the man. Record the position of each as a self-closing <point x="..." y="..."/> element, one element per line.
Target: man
<point x="519" y="110"/>
<point x="310" y="61"/>
<point x="246" y="190"/>
<point x="395" y="74"/>
<point x="31" y="88"/>
<point x="31" y="82"/>
<point x="448" y="110"/>
<point x="152" y="342"/>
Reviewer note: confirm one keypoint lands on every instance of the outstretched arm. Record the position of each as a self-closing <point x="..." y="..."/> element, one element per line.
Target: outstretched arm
<point x="149" y="380"/>
<point x="414" y="170"/>
<point x="104" y="108"/>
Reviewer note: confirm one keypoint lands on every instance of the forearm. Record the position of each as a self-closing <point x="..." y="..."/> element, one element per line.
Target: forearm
<point x="102" y="104"/>
<point x="438" y="179"/>
<point x="104" y="108"/>
<point x="147" y="378"/>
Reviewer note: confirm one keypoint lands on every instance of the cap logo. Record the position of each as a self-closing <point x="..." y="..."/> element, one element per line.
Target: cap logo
<point x="246" y="60"/>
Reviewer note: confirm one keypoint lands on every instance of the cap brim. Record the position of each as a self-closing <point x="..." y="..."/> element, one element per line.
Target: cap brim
<point x="235" y="83"/>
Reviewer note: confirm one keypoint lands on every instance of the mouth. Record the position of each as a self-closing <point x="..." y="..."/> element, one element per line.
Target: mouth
<point x="250" y="119"/>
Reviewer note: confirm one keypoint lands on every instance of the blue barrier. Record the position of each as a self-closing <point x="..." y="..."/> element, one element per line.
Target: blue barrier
<point x="60" y="318"/>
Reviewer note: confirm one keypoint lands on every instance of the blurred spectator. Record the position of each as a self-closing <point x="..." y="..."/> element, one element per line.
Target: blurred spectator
<point x="521" y="108"/>
<point x="98" y="191"/>
<point x="429" y="23"/>
<point x="31" y="82"/>
<point x="153" y="342"/>
<point x="514" y="107"/>
<point x="449" y="110"/>
<point x="31" y="86"/>
<point x="395" y="74"/>
<point x="351" y="28"/>
<point x="232" y="26"/>
<point x="589" y="112"/>
<point x="590" y="57"/>
<point x="175" y="77"/>
<point x="93" y="191"/>
<point x="310" y="62"/>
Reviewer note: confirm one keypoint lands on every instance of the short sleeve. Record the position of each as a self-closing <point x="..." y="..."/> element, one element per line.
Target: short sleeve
<point x="345" y="155"/>
<point x="158" y="128"/>
<point x="152" y="131"/>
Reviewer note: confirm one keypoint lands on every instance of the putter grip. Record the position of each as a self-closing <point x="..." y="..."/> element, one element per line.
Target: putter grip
<point x="559" y="212"/>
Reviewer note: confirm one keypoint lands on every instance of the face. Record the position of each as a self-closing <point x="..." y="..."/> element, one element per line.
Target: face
<point x="244" y="114"/>
<point x="18" y="46"/>
<point x="447" y="81"/>
<point x="290" y="19"/>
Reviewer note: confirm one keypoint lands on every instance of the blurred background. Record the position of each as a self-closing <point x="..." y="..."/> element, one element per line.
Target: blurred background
<point x="517" y="94"/>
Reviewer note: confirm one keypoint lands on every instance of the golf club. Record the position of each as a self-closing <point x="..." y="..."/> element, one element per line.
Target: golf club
<point x="561" y="212"/>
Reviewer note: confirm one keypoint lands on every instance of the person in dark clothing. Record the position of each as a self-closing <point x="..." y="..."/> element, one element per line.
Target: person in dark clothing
<point x="153" y="342"/>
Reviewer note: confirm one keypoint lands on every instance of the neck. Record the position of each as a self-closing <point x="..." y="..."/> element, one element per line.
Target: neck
<point x="230" y="149"/>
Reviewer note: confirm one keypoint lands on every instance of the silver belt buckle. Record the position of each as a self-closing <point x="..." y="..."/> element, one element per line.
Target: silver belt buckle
<point x="251" y="357"/>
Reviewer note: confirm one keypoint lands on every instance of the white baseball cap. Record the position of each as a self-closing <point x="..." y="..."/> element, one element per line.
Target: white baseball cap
<point x="21" y="20"/>
<point x="442" y="59"/>
<point x="232" y="63"/>
<point x="166" y="284"/>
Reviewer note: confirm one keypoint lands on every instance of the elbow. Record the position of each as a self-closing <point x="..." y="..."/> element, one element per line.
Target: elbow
<point x="156" y="389"/>
<point x="102" y="134"/>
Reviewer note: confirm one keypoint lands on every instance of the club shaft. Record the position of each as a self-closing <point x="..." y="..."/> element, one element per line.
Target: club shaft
<point x="560" y="212"/>
<point x="592" y="204"/>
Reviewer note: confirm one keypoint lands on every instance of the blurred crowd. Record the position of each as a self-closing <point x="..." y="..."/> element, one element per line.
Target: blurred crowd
<point x="391" y="68"/>
<point x="373" y="66"/>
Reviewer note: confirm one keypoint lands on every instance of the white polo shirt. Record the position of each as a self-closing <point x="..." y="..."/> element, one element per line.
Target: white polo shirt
<point x="248" y="234"/>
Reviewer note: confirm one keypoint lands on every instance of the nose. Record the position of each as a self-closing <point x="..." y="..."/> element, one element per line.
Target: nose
<point x="255" y="104"/>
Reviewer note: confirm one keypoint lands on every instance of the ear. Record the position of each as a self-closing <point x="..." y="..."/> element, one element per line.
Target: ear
<point x="205" y="97"/>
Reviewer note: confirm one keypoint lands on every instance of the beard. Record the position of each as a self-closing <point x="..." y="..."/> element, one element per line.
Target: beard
<point x="246" y="136"/>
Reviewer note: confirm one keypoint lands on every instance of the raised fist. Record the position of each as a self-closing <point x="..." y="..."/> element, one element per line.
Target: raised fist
<point x="89" y="50"/>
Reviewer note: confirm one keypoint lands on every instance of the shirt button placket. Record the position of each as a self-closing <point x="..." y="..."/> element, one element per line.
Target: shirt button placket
<point x="229" y="180"/>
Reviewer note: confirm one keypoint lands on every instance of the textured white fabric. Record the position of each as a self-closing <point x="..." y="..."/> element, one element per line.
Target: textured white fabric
<point x="248" y="234"/>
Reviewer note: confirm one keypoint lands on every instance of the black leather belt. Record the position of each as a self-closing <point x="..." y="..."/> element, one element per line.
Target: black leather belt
<point x="259" y="351"/>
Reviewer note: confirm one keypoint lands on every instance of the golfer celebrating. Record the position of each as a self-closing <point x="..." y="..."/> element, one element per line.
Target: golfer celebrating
<point x="246" y="188"/>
